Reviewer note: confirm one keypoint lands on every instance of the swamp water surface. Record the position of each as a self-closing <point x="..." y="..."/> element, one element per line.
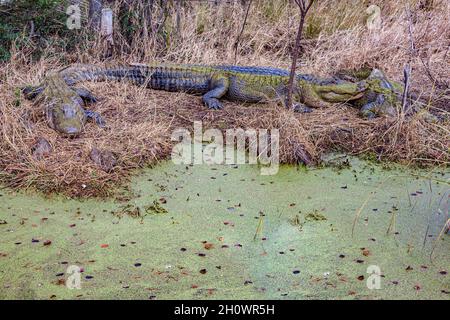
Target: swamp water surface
<point x="226" y="232"/>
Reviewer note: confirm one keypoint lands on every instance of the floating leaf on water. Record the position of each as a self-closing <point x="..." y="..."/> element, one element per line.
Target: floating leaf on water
<point x="208" y="246"/>
<point x="315" y="216"/>
<point x="155" y="208"/>
<point x="128" y="210"/>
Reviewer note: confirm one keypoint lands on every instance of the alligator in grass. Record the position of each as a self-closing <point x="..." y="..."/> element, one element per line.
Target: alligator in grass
<point x="64" y="105"/>
<point x="373" y="94"/>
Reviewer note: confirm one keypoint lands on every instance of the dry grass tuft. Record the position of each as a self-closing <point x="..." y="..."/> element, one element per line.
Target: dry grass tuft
<point x="141" y="121"/>
<point x="135" y="135"/>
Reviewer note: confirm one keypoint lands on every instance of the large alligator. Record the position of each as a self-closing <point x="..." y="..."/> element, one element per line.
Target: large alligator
<point x="374" y="95"/>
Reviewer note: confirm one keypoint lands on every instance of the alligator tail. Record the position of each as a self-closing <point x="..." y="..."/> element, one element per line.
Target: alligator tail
<point x="85" y="72"/>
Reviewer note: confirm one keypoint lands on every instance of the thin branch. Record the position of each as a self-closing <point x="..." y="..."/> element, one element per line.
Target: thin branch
<point x="407" y="69"/>
<point x="439" y="82"/>
<point x="236" y="44"/>
<point x="304" y="8"/>
<point x="406" y="81"/>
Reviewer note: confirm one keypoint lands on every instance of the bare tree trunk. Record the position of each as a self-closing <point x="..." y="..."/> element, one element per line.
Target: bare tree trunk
<point x="304" y="8"/>
<point x="148" y="27"/>
<point x="95" y="14"/>
<point x="407" y="70"/>
<point x="236" y="44"/>
<point x="178" y="5"/>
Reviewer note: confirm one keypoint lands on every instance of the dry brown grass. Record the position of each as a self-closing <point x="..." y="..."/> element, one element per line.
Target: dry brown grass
<point x="140" y="121"/>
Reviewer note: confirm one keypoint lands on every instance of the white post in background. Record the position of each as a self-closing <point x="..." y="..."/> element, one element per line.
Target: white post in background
<point x="374" y="22"/>
<point x="106" y="30"/>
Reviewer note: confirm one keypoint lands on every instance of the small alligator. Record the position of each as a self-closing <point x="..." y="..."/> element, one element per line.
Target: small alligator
<point x="374" y="95"/>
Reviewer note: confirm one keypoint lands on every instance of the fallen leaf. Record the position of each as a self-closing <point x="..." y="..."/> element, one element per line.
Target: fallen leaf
<point x="60" y="282"/>
<point x="208" y="246"/>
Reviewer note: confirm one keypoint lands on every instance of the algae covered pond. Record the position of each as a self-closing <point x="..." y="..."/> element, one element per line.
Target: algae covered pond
<point x="226" y="232"/>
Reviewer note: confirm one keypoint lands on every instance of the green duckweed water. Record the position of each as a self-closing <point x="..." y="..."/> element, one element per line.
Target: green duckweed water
<point x="226" y="232"/>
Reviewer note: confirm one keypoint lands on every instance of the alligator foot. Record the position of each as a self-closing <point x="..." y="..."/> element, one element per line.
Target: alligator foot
<point x="219" y="85"/>
<point x="377" y="108"/>
<point x="86" y="95"/>
<point x="31" y="92"/>
<point x="41" y="149"/>
<point x="96" y="117"/>
<point x="213" y="104"/>
<point x="301" y="108"/>
<point x="369" y="110"/>
<point x="105" y="159"/>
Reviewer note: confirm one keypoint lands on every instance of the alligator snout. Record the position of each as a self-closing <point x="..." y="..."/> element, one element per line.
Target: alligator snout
<point x="71" y="132"/>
